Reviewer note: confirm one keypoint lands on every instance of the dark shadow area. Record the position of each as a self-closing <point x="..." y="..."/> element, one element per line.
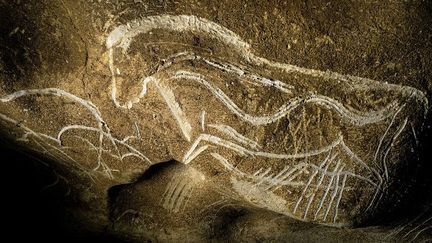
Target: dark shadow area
<point x="18" y="56"/>
<point x="221" y="228"/>
<point x="410" y="196"/>
<point x="150" y="173"/>
<point x="35" y="201"/>
<point x="154" y="170"/>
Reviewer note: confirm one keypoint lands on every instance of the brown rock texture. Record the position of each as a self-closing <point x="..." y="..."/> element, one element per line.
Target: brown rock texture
<point x="228" y="120"/>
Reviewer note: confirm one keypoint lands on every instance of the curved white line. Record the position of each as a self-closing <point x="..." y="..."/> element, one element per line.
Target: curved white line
<point x="243" y="151"/>
<point x="356" y="118"/>
<point x="81" y="127"/>
<point x="55" y="92"/>
<point x="231" y="132"/>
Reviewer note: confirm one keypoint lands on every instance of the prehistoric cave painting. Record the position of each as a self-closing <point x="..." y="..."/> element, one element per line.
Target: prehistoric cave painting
<point x="320" y="174"/>
<point x="281" y="137"/>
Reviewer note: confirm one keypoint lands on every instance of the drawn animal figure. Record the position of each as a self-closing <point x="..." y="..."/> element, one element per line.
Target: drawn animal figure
<point x="287" y="138"/>
<point x="313" y="145"/>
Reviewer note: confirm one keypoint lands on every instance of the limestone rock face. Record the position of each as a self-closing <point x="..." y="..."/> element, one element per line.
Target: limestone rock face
<point x="161" y="116"/>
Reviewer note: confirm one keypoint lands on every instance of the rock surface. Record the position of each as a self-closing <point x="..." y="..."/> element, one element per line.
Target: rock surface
<point x="228" y="120"/>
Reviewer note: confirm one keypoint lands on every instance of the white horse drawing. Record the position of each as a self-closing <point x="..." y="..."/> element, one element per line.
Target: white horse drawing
<point x="204" y="137"/>
<point x="320" y="173"/>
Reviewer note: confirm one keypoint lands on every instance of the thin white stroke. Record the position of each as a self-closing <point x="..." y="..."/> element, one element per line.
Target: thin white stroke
<point x="231" y="132"/>
<point x="359" y="119"/>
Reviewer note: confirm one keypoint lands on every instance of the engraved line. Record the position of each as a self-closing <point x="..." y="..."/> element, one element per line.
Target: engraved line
<point x="385" y="133"/>
<point x="321" y="179"/>
<point x="310" y="181"/>
<point x="398" y="132"/>
<point x="339" y="198"/>
<point x="356" y="119"/>
<point x="335" y="191"/>
<point x="327" y="190"/>
<point x="235" y="135"/>
<point x="202" y="120"/>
